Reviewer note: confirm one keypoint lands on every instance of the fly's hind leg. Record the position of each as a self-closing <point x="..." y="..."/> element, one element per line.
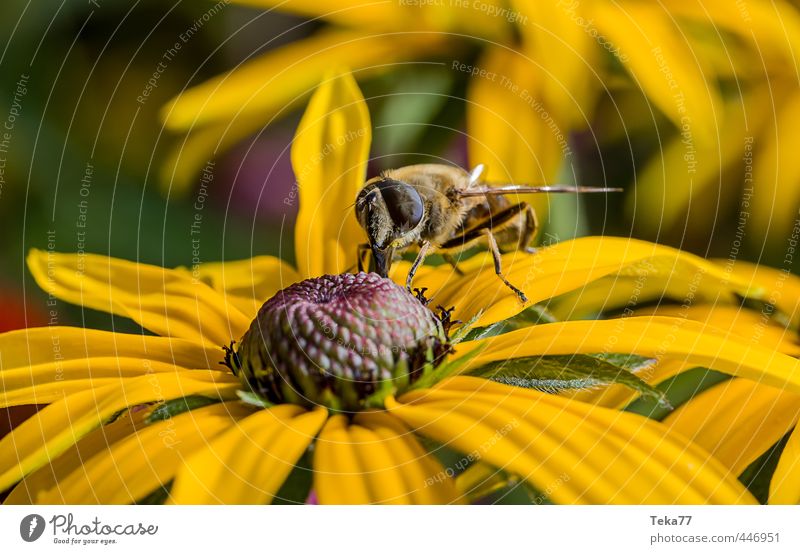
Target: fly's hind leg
<point x="529" y="230"/>
<point x="498" y="265"/>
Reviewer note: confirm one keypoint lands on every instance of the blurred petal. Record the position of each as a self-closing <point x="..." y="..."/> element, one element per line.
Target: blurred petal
<point x="683" y="171"/>
<point x="329" y="157"/>
<point x="164" y="301"/>
<point x="391" y="16"/>
<point x="274" y="83"/>
<point x="567" y="55"/>
<point x="355" y="13"/>
<point x="736" y="421"/>
<point x="187" y="157"/>
<point x="511" y="130"/>
<point x="776" y="172"/>
<point x="784" y="488"/>
<point x="661" y="61"/>
<point x="656" y="337"/>
<point x="57" y="427"/>
<point x="580" y="453"/>
<point x="774" y="26"/>
<point x="132" y="468"/>
<point x="248" y="463"/>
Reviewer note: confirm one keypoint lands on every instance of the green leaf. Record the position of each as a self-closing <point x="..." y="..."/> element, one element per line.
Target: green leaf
<point x="171" y="408"/>
<point x="556" y="373"/>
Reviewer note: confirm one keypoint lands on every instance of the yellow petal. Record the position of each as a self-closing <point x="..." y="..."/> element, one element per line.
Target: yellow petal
<point x="248" y="463"/>
<point x="54" y="344"/>
<point x="784" y="488"/>
<point x="580" y="453"/>
<point x="736" y="321"/>
<point x="338" y="474"/>
<point x="164" y="301"/>
<point x="783" y="287"/>
<point x="736" y="421"/>
<point x="678" y="276"/>
<point x="40" y="384"/>
<point x="130" y="469"/>
<point x="247" y="283"/>
<point x="329" y="157"/>
<point x="376" y="460"/>
<point x="424" y="480"/>
<point x="661" y="62"/>
<point x="50" y="475"/>
<point x="571" y="265"/>
<point x="54" y="429"/>
<point x="654" y="337"/>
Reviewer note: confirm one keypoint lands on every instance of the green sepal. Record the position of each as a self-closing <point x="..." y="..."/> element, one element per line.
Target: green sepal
<point x="446" y="369"/>
<point x="253" y="399"/>
<point x="171" y="408"/>
<point x="556" y="373"/>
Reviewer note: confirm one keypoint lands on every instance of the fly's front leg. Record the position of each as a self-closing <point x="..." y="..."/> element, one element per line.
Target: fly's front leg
<point x="498" y="264"/>
<point x="529" y="230"/>
<point x="423" y="251"/>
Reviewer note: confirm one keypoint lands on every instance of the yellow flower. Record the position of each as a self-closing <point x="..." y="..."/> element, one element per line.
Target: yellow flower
<point x="154" y="416"/>
<point x="723" y="78"/>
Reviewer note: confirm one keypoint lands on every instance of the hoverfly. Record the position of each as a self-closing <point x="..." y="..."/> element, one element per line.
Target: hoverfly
<point x="442" y="207"/>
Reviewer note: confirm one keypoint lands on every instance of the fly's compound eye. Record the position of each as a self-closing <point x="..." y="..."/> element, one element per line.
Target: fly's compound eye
<point x="403" y="203"/>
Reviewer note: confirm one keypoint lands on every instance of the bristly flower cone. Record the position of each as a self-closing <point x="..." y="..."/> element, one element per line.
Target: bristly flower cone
<point x="341" y="341"/>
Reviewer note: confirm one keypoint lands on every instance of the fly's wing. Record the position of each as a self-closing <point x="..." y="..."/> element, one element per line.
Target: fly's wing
<point x="485" y="190"/>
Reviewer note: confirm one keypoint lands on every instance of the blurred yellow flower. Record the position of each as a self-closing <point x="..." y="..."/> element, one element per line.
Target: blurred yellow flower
<point x="723" y="75"/>
<point x="136" y="417"/>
